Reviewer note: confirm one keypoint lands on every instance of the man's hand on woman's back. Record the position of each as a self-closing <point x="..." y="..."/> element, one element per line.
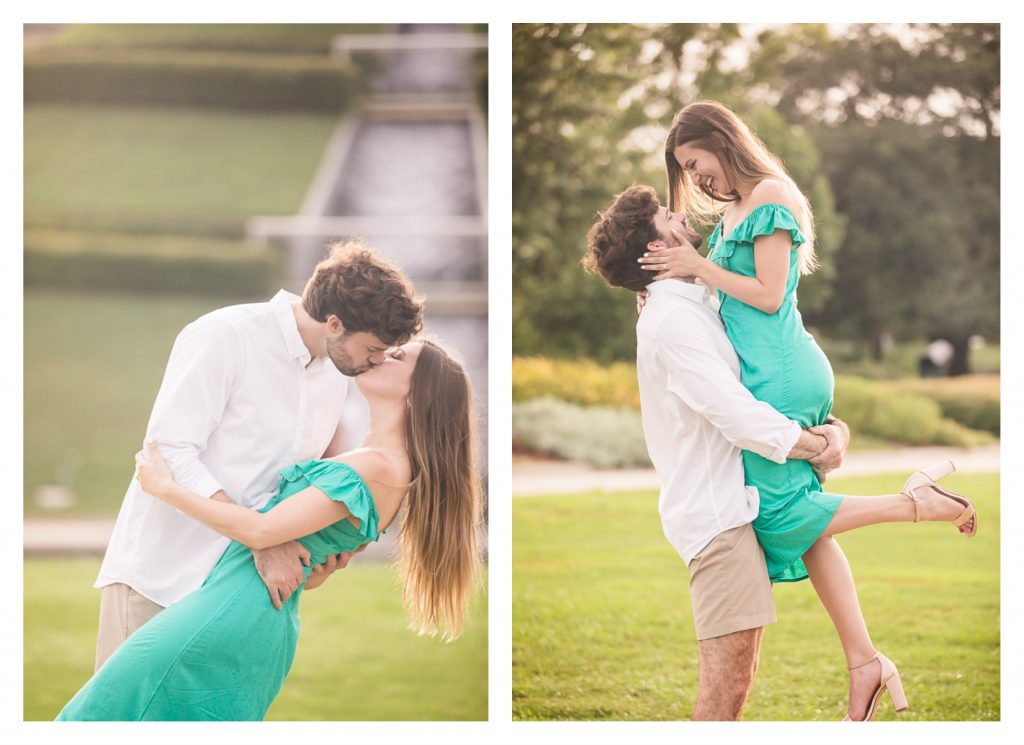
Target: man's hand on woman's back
<point x="280" y="568"/>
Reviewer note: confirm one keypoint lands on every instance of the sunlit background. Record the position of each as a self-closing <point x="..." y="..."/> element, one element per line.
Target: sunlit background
<point x="893" y="132"/>
<point x="173" y="169"/>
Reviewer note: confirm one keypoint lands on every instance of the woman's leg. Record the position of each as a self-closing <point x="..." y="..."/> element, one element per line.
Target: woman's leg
<point x="830" y="574"/>
<point x="859" y="512"/>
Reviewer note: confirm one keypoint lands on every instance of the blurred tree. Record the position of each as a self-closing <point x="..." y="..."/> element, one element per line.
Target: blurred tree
<point x="590" y="107"/>
<point x="907" y="123"/>
<point x="569" y="116"/>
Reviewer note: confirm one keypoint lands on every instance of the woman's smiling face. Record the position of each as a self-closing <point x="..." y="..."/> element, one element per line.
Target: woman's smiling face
<point x="704" y="167"/>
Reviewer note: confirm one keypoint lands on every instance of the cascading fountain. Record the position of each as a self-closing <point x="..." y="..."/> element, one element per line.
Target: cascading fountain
<point x="407" y="172"/>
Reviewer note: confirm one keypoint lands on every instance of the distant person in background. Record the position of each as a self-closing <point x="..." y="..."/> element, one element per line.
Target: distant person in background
<point x="937" y="359"/>
<point x="248" y="391"/>
<point x="223" y="651"/>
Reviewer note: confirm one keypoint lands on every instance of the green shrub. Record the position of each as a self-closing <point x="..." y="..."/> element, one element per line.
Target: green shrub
<point x="579" y="381"/>
<point x="84" y="220"/>
<point x="602" y="436"/>
<point x="971" y="400"/>
<point x="178" y="264"/>
<point x="878" y="409"/>
<point x="279" y="38"/>
<point x="910" y="412"/>
<point x="204" y="79"/>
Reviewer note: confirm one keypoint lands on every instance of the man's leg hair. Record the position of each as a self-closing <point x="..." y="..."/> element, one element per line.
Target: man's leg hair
<point x="727" y="668"/>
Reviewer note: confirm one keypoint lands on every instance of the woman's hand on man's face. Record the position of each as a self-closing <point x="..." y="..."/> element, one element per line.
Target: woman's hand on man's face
<point x="671" y="261"/>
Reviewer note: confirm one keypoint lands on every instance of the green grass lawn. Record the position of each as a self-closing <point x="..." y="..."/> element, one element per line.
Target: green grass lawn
<point x="602" y="625"/>
<point x="355" y="661"/>
<point x="93" y="365"/>
<point x="114" y="165"/>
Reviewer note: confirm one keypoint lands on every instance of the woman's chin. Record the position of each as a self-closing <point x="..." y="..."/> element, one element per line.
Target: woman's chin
<point x="362" y="383"/>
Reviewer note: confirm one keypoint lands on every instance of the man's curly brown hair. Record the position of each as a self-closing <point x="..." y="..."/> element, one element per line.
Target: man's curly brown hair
<point x="620" y="237"/>
<point x="366" y="291"/>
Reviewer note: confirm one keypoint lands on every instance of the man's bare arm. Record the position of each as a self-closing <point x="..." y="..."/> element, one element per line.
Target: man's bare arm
<point x="835" y="435"/>
<point x="808" y="446"/>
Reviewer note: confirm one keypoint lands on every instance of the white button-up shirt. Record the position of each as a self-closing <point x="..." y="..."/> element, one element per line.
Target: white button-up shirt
<point x="697" y="416"/>
<point x="241" y="399"/>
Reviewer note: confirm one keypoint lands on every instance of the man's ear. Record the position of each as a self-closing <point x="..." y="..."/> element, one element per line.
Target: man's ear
<point x="334" y="325"/>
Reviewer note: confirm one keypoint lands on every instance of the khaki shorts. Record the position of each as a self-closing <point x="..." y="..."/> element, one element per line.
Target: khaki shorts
<point x="122" y="612"/>
<point x="729" y="585"/>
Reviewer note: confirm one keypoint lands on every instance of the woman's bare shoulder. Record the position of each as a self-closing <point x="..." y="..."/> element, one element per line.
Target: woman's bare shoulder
<point x="775" y="191"/>
<point x="378" y="466"/>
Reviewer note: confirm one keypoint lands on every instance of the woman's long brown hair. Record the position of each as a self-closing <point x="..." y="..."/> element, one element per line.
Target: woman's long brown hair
<point x="710" y="126"/>
<point x="438" y="556"/>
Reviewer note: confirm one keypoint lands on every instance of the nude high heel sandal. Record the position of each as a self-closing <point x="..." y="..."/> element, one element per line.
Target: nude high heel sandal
<point x="928" y="477"/>
<point x="890" y="681"/>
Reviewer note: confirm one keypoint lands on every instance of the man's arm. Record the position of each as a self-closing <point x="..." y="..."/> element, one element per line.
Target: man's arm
<point x="280" y="567"/>
<point x="204" y="365"/>
<point x="201" y="372"/>
<point x="702" y="379"/>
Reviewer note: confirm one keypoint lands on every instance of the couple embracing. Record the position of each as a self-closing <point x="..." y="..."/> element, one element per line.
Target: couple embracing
<point x="242" y="497"/>
<point x="736" y="402"/>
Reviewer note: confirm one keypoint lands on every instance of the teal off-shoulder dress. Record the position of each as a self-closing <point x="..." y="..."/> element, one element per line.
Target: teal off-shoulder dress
<point x="223" y="651"/>
<point x="782" y="365"/>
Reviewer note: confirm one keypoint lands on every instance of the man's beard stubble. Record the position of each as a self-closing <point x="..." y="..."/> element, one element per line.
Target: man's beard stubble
<point x="343" y="360"/>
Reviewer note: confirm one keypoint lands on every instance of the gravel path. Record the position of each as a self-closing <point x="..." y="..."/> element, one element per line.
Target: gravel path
<point x="63" y="536"/>
<point x="537" y="477"/>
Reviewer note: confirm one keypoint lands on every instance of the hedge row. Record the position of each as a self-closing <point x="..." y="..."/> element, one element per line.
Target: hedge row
<point x="910" y="412"/>
<point x="80" y="220"/>
<point x="277" y="38"/>
<point x="602" y="436"/>
<point x="175" y="264"/>
<point x="148" y="77"/>
<point x="582" y="382"/>
<point x="972" y="400"/>
<point x="910" y="418"/>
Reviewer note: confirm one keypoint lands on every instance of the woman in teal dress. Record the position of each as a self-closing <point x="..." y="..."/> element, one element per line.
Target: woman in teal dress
<point x="223" y="652"/>
<point x="760" y="248"/>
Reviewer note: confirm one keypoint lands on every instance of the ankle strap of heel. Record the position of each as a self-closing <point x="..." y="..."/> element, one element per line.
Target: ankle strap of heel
<point x="867" y="662"/>
<point x="909" y="494"/>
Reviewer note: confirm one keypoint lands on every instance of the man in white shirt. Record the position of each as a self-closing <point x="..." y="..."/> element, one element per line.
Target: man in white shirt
<point x="248" y="390"/>
<point x="697" y="416"/>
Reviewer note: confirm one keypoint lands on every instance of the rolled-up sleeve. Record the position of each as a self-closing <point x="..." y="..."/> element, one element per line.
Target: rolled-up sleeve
<point x="204" y="365"/>
<point x="703" y="380"/>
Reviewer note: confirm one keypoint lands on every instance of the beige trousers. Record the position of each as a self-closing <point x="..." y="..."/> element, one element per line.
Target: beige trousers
<point x="122" y="612"/>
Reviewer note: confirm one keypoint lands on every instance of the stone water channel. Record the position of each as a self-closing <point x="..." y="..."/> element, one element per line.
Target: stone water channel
<point x="407" y="172"/>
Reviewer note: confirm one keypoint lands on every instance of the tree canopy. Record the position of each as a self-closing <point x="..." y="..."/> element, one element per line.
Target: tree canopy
<point x="892" y="132"/>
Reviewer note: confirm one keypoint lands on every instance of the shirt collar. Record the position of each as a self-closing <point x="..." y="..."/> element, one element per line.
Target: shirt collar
<point x="281" y="304"/>
<point x="696" y="293"/>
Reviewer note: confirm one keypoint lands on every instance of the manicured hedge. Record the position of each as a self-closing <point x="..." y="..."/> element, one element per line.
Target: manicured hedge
<point x="972" y="400"/>
<point x="278" y="38"/>
<point x="909" y="412"/>
<point x="581" y="382"/>
<point x="178" y="264"/>
<point x="204" y="79"/>
<point x="82" y="220"/>
<point x="602" y="436"/>
<point x="901" y="416"/>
